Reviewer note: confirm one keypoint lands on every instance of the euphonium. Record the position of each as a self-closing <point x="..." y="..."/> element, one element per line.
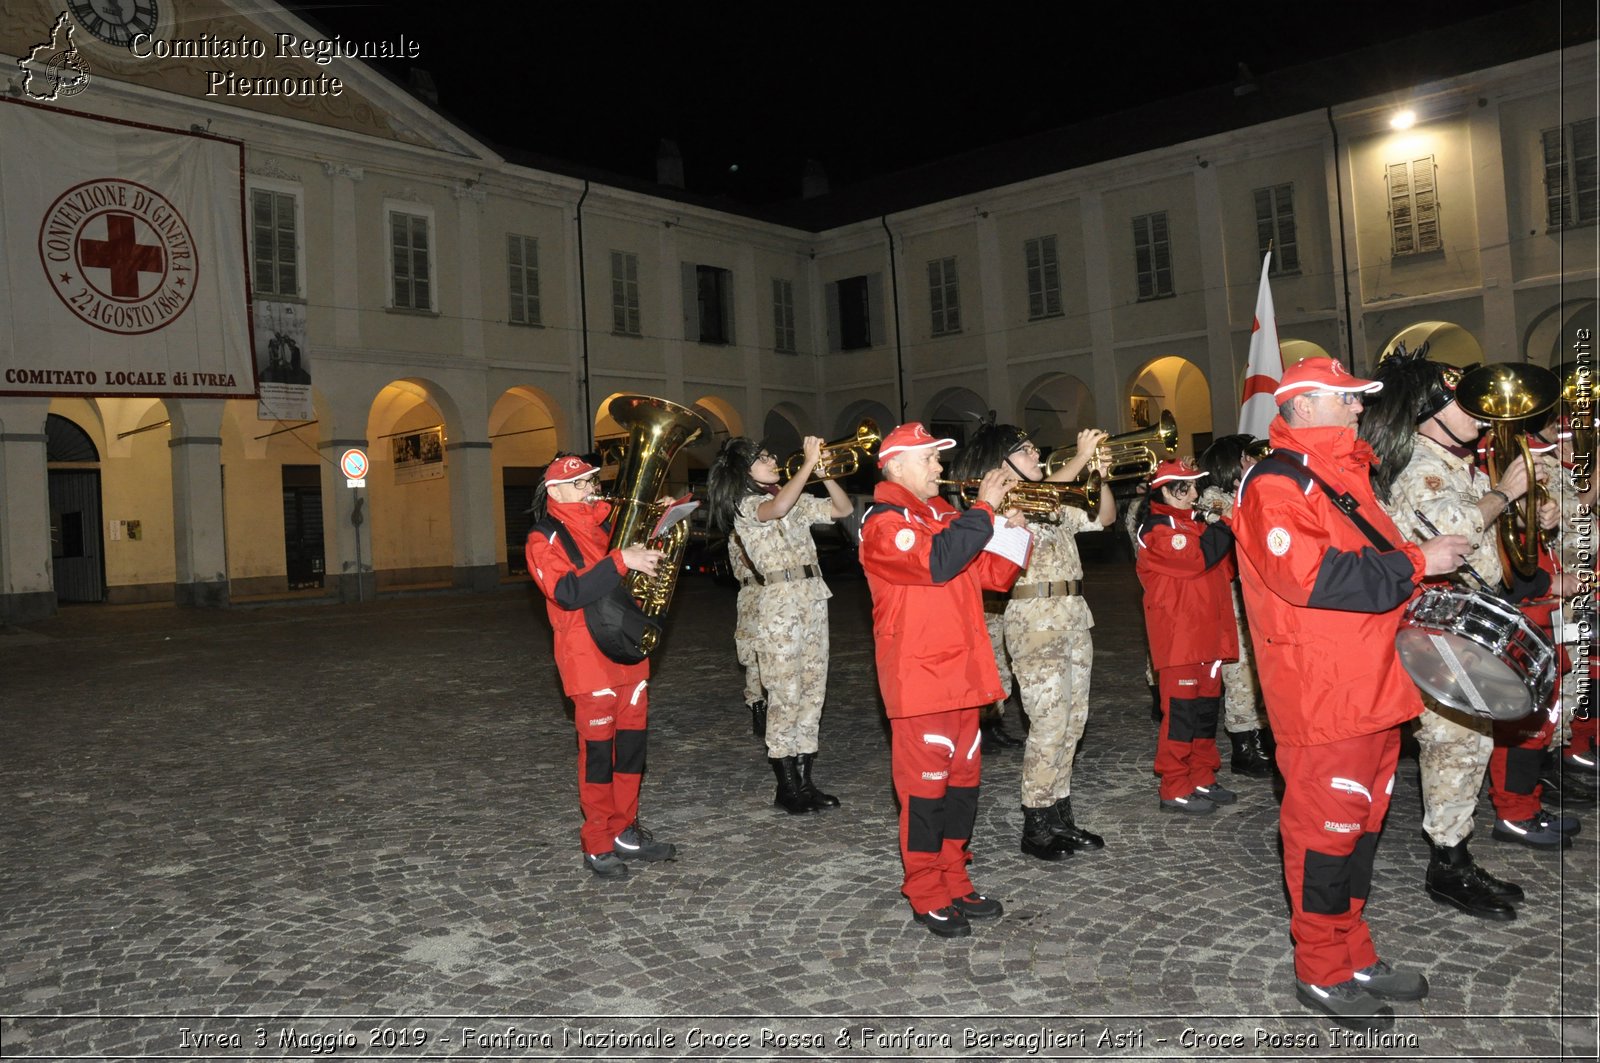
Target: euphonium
<point x="657" y="430"/>
<point x="839" y="459"/>
<point x="1130" y="455"/>
<point x="1039" y="499"/>
<point x="1505" y="394"/>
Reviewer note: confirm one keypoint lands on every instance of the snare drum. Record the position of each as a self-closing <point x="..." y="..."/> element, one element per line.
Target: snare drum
<point x="1476" y="653"/>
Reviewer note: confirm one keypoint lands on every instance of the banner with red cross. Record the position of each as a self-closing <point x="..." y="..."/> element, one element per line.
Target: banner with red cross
<point x="122" y="259"/>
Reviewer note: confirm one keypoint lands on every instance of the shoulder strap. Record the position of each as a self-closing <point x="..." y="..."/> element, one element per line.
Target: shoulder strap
<point x="761" y="581"/>
<point x="551" y="528"/>
<point x="882" y="507"/>
<point x="1295" y="466"/>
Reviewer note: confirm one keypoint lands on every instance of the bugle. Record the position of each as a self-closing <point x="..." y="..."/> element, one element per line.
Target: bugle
<point x="841" y="458"/>
<point x="1039" y="499"/>
<point x="1131" y="455"/>
<point x="1505" y="395"/>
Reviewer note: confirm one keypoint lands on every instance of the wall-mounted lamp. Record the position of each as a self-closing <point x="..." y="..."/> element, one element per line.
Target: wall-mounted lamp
<point x="1403" y="120"/>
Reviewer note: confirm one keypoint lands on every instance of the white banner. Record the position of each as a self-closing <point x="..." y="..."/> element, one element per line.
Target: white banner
<point x="122" y="257"/>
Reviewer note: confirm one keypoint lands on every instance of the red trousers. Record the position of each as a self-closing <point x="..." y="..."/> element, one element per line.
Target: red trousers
<point x="936" y="764"/>
<point x="611" y="747"/>
<point x="1334" y="800"/>
<point x="1519" y="746"/>
<point x="1186" y="750"/>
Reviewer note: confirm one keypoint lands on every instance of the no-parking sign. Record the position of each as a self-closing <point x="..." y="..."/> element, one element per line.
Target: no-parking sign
<point x="354" y="464"/>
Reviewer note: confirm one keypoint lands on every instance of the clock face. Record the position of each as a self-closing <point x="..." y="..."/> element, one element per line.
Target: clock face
<point x="116" y="22"/>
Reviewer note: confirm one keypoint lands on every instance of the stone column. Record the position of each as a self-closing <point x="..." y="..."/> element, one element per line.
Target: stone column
<point x="471" y="515"/>
<point x="199" y="544"/>
<point x="27" y="584"/>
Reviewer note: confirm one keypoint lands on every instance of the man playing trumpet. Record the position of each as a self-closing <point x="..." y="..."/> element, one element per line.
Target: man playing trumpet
<point x="1047" y="626"/>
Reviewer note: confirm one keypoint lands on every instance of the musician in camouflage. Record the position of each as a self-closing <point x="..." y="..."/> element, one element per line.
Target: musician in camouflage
<point x="1047" y="626"/>
<point x="744" y="636"/>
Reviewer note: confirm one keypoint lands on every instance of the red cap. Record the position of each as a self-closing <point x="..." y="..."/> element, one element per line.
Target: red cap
<point x="1320" y="374"/>
<point x="909" y="436"/>
<point x="567" y="469"/>
<point x="1169" y="471"/>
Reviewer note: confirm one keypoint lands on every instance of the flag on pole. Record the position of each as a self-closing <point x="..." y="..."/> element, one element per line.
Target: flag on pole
<point x="1257" y="407"/>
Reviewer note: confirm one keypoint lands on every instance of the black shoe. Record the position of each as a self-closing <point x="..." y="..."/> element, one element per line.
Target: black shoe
<point x="1542" y="831"/>
<point x="946" y="922"/>
<point x="1249" y="755"/>
<point x="1190" y="804"/>
<point x="976" y="906"/>
<point x="758" y="717"/>
<point x="1385" y="982"/>
<point x="790" y="797"/>
<point x="1155" y="704"/>
<point x="1061" y="823"/>
<point x="1217" y="794"/>
<point x="606" y="865"/>
<point x="1506" y="891"/>
<point x="636" y="843"/>
<point x="1039" y="840"/>
<point x="1453" y="879"/>
<point x="1347" y="1004"/>
<point x="818" y="799"/>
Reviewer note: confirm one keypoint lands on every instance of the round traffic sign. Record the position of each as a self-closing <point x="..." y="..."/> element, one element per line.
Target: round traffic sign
<point x="354" y="464"/>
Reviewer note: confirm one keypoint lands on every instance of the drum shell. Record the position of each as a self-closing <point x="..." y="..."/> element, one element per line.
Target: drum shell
<point x="1476" y="653"/>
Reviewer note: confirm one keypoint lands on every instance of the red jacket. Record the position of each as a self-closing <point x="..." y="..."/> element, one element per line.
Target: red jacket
<point x="1186" y="567"/>
<point x="1324" y="603"/>
<point x="927" y="571"/>
<point x="568" y="588"/>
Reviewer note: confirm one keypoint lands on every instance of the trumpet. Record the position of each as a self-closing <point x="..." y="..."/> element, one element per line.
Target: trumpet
<point x="1039" y="499"/>
<point x="1129" y="455"/>
<point x="841" y="458"/>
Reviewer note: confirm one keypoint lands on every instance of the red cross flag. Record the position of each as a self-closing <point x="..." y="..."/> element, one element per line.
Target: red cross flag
<point x="1257" y="407"/>
<point x="123" y="270"/>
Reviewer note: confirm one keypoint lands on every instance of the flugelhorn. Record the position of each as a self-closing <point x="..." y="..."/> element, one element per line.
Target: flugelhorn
<point x="1130" y="455"/>
<point x="1506" y="394"/>
<point x="842" y="458"/>
<point x="1037" y="498"/>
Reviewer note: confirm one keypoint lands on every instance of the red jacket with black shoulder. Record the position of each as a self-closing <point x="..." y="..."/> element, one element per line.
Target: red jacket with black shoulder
<point x="1186" y="568"/>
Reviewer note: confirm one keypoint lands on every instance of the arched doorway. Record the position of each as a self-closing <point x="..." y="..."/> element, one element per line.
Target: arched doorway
<point x="77" y="552"/>
<point x="1447" y="342"/>
<point x="1178" y="386"/>
<point x="408" y="491"/>
<point x="956" y="413"/>
<point x="1056" y="407"/>
<point x="524" y="437"/>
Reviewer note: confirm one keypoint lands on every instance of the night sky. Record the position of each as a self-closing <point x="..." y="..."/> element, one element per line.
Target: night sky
<point x="751" y="91"/>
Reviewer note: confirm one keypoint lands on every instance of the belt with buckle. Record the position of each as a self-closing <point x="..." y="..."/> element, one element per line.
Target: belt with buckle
<point x="1061" y="588"/>
<point x="788" y="575"/>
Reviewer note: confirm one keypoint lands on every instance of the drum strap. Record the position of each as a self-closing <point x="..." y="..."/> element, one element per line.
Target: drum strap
<point x="1281" y="462"/>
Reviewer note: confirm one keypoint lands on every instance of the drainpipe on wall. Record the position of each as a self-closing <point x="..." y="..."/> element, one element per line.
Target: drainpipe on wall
<point x="1344" y="254"/>
<point x="899" y="351"/>
<point x="583" y="330"/>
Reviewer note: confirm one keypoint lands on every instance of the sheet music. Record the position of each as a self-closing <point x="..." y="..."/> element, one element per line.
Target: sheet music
<point x="674" y="513"/>
<point x="1013" y="544"/>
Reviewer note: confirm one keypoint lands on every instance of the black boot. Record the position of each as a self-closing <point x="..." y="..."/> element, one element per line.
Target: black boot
<point x="992" y="736"/>
<point x="1061" y="823"/>
<point x="789" y="797"/>
<point x="1454" y="878"/>
<point x="808" y="789"/>
<point x="1038" y="839"/>
<point x="1155" y="704"/>
<point x="758" y="717"/>
<point x="1249" y="756"/>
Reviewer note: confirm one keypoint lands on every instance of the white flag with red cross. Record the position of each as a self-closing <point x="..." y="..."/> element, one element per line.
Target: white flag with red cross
<point x="122" y="259"/>
<point x="1257" y="407"/>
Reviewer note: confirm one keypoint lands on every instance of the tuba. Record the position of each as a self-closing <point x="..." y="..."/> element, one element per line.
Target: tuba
<point x="657" y="430"/>
<point x="1506" y="394"/>
<point x="1131" y="455"/>
<point x="839" y="459"/>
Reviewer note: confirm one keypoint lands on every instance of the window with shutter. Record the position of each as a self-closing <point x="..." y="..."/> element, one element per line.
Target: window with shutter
<point x="1044" y="277"/>
<point x="1414" y="207"/>
<point x="276" y="250"/>
<point x="522" y="279"/>
<point x="1275" y="228"/>
<point x="1152" y="256"/>
<point x="1571" y="182"/>
<point x="943" y="297"/>
<point x="625" y="319"/>
<point x="409" y="244"/>
<point x="783" y="339"/>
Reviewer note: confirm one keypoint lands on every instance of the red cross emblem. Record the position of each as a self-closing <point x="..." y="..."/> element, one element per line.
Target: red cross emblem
<point x="123" y="255"/>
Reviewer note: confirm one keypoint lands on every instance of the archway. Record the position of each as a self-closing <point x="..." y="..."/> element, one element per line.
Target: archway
<point x="1177" y="386"/>
<point x="1447" y="342"/>
<point x="1550" y="339"/>
<point x="524" y="436"/>
<point x="956" y="413"/>
<point x="408" y="487"/>
<point x="77" y="548"/>
<point x="1056" y="407"/>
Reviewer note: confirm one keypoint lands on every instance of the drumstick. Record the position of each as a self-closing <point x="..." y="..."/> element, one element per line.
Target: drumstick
<point x="1435" y="532"/>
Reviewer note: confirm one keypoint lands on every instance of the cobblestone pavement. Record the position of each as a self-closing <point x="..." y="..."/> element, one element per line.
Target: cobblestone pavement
<point x="307" y="829"/>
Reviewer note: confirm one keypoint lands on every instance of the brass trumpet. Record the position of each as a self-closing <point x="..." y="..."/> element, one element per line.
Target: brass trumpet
<point x="1580" y="398"/>
<point x="1039" y="499"/>
<point x="1129" y="455"/>
<point x="1505" y="395"/>
<point x="842" y="458"/>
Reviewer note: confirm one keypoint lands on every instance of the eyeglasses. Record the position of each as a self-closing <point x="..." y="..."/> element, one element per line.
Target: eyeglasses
<point x="1347" y="398"/>
<point x="764" y="456"/>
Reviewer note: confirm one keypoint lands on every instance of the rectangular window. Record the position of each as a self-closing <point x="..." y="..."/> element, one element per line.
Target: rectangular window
<point x="1275" y="228"/>
<point x="783" y="339"/>
<point x="1044" y="278"/>
<point x="409" y="249"/>
<point x="625" y="294"/>
<point x="277" y="252"/>
<point x="1571" y="181"/>
<point x="943" y="297"/>
<point x="1414" y="207"/>
<point x="522" y="279"/>
<point x="1152" y="255"/>
<point x="855" y="313"/>
<point x="707" y="304"/>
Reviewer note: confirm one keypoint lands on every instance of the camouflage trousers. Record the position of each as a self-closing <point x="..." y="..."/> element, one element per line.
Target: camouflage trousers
<point x="1051" y="656"/>
<point x="1241" y="692"/>
<point x="744" y="642"/>
<point x="792" y="654"/>
<point x="1453" y="754"/>
<point x="996" y="623"/>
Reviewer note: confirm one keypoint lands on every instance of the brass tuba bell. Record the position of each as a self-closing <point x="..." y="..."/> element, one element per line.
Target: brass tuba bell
<point x="1505" y="395"/>
<point x="1131" y="455"/>
<point x="657" y="430"/>
<point x="1580" y="401"/>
